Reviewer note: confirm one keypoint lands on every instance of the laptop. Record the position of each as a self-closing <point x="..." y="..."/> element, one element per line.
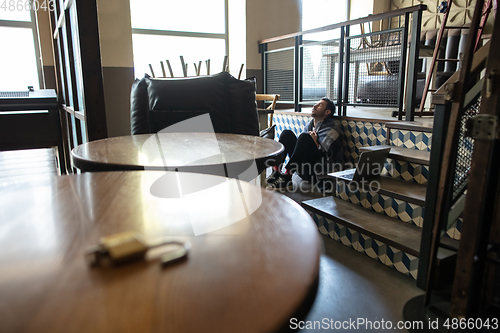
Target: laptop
<point x="370" y="165"/>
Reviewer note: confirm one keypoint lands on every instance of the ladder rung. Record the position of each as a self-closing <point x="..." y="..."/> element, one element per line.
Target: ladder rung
<point x="432" y="90"/>
<point x="451" y="60"/>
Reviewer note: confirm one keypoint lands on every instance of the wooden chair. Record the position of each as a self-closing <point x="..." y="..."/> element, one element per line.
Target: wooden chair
<point x="273" y="98"/>
<point x="269" y="131"/>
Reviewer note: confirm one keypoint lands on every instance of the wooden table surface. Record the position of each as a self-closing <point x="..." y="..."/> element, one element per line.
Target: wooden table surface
<point x="193" y="152"/>
<point x="250" y="276"/>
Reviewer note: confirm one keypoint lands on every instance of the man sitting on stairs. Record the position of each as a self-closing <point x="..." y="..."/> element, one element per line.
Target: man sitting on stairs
<point x="309" y="152"/>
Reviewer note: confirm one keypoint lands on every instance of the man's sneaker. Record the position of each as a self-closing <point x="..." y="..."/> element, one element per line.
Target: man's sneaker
<point x="283" y="182"/>
<point x="273" y="177"/>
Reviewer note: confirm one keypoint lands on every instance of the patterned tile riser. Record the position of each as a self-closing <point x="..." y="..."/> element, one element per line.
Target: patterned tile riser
<point x="387" y="255"/>
<point x="416" y="173"/>
<point x="402" y="210"/>
<point x="401" y="261"/>
<point x="361" y="134"/>
<point x="454" y="229"/>
<point x="290" y="122"/>
<point x="357" y="134"/>
<point x="369" y="134"/>
<point x="411" y="140"/>
<point x="382" y="204"/>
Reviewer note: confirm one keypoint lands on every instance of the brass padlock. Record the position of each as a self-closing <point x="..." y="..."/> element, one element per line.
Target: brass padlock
<point x="130" y="246"/>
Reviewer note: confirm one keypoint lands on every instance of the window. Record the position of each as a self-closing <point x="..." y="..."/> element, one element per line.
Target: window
<point x="319" y="13"/>
<point x="319" y="77"/>
<point x="19" y="60"/>
<point x="167" y="29"/>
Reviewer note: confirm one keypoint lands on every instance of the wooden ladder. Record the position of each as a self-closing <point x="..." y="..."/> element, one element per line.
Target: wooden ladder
<point x="431" y="72"/>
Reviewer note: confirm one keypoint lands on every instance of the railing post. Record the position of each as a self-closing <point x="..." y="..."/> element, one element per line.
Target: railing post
<point x="341" y="70"/>
<point x="262" y="50"/>
<point x="441" y="119"/>
<point x="412" y="68"/>
<point x="297" y="67"/>
<point x="345" y="87"/>
<point x="402" y="66"/>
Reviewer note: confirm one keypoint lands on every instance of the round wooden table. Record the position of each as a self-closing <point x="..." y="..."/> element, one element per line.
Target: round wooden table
<point x="208" y="153"/>
<point x="250" y="276"/>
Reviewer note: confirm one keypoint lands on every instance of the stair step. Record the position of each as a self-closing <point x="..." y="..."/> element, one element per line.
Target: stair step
<point x="450" y="243"/>
<point x="395" y="188"/>
<point x="404" y="154"/>
<point x="410" y="126"/>
<point x="403" y="236"/>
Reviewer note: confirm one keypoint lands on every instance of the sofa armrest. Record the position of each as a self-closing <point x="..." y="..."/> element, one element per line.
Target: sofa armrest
<point x="139" y="105"/>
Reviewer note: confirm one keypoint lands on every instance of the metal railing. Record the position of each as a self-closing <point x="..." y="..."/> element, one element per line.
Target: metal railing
<point x="347" y="65"/>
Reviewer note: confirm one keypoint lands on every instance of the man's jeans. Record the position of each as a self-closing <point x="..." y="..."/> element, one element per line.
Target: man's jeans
<point x="303" y="152"/>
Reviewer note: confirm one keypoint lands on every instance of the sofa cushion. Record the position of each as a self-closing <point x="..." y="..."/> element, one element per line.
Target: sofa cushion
<point x="160" y="120"/>
<point x="208" y="93"/>
<point x="159" y="103"/>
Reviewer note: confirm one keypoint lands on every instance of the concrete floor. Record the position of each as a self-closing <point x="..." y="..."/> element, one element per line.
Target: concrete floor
<point x="354" y="286"/>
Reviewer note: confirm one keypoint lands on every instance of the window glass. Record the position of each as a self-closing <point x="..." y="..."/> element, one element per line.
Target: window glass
<point x="79" y="105"/>
<point x="63" y="87"/>
<point x="67" y="64"/>
<point x="84" y="134"/>
<point x="18" y="68"/>
<point x="320" y="13"/>
<point x="10" y="11"/>
<point x="186" y="15"/>
<point x="73" y="126"/>
<point x="170" y="48"/>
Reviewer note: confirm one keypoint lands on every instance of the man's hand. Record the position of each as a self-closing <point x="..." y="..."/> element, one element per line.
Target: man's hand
<point x="314" y="135"/>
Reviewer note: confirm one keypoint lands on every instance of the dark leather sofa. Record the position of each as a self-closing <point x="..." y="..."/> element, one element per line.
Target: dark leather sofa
<point x="383" y="89"/>
<point x="156" y="103"/>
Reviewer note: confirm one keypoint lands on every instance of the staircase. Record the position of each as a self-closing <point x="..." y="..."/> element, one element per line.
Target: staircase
<point x="384" y="223"/>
